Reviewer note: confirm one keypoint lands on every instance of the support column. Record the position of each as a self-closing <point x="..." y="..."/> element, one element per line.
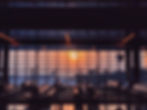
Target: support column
<point x="128" y="66"/>
<point x="136" y="65"/>
<point x="6" y="59"/>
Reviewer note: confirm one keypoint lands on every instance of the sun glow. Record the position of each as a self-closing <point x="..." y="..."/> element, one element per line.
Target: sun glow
<point x="73" y="55"/>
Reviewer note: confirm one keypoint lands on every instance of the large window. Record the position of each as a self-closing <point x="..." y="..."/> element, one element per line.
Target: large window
<point x="27" y="63"/>
<point x="82" y="57"/>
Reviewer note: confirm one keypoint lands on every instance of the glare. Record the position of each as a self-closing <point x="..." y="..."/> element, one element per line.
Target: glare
<point x="73" y="55"/>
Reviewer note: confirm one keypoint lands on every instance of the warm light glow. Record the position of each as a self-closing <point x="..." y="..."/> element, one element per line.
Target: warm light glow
<point x="73" y="55"/>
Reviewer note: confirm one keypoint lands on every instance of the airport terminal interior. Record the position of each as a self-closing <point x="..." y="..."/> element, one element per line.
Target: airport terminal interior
<point x="73" y="55"/>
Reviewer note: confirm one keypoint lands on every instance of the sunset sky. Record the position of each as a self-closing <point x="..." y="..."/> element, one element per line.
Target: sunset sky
<point x="65" y="62"/>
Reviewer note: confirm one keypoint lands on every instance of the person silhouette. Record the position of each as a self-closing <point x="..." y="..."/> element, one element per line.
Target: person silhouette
<point x="77" y="97"/>
<point x="2" y="92"/>
<point x="119" y="108"/>
<point x="90" y="95"/>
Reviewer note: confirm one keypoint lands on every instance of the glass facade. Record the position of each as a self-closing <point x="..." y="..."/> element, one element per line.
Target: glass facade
<point x="63" y="62"/>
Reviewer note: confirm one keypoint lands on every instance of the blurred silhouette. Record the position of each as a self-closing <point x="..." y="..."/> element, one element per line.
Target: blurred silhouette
<point x="30" y="88"/>
<point x="30" y="91"/>
<point x="2" y="92"/>
<point x="58" y="88"/>
<point x="91" y="95"/>
<point x="119" y="108"/>
<point x="84" y="92"/>
<point x="77" y="97"/>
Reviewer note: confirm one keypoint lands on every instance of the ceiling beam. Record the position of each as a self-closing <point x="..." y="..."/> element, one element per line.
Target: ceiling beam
<point x="79" y="18"/>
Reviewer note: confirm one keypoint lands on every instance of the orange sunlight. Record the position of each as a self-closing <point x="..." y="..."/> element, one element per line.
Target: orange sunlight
<point x="73" y="55"/>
